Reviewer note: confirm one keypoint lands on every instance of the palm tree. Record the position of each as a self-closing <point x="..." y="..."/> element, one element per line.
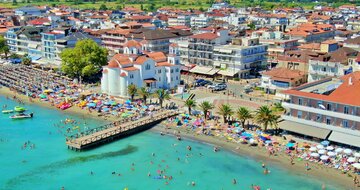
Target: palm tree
<point x="190" y="104"/>
<point x="162" y="95"/>
<point x="278" y="107"/>
<point x="206" y="106"/>
<point x="144" y="93"/>
<point x="132" y="90"/>
<point x="225" y="110"/>
<point x="6" y="51"/>
<point x="265" y="116"/>
<point x="243" y="114"/>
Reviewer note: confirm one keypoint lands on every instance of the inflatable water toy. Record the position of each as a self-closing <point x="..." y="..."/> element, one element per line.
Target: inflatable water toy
<point x="19" y="109"/>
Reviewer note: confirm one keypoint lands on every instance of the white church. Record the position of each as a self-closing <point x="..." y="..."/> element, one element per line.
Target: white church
<point x="153" y="70"/>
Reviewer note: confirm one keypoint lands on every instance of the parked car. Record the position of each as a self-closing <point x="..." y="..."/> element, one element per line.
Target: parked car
<point x="205" y="83"/>
<point x="218" y="86"/>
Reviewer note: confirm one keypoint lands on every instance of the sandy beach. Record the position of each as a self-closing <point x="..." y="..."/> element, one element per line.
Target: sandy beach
<point x="259" y="153"/>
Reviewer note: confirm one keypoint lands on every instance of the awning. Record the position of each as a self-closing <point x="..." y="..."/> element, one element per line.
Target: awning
<point x="304" y="129"/>
<point x="150" y="80"/>
<point x="35" y="57"/>
<point x="228" y="72"/>
<point x="33" y="46"/>
<point x="213" y="71"/>
<point x="345" y="138"/>
<point x="201" y="70"/>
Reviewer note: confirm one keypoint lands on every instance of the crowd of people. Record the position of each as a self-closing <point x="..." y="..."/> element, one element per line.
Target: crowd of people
<point x="344" y="159"/>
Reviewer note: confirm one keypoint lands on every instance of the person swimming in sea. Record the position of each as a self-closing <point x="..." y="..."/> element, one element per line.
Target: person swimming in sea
<point x="234" y="181"/>
<point x="189" y="148"/>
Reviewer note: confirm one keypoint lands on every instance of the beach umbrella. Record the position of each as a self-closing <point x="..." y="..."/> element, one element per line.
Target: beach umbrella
<point x="324" y="157"/>
<point x="128" y="102"/>
<point x="351" y="159"/>
<point x="325" y="143"/>
<point x="331" y="154"/>
<point x="338" y="150"/>
<point x="252" y="141"/>
<point x="313" y="149"/>
<point x="320" y="146"/>
<point x="42" y="96"/>
<point x="322" y="151"/>
<point x="329" y="148"/>
<point x="266" y="136"/>
<point x="348" y="151"/>
<point x="105" y="109"/>
<point x="356" y="154"/>
<point x="91" y="105"/>
<point x="314" y="154"/>
<point x="268" y="142"/>
<point x="145" y="107"/>
<point x="290" y="145"/>
<point x="356" y="165"/>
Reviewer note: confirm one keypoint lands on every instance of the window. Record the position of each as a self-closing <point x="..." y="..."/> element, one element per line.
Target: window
<point x="328" y="107"/>
<point x="345" y="123"/>
<point x="131" y="76"/>
<point x="159" y="79"/>
<point x="318" y="118"/>
<point x="171" y="79"/>
<point x="159" y="71"/>
<point x="177" y="78"/>
<point x="328" y="121"/>
<point x="346" y="110"/>
<point x="177" y="70"/>
<point x="299" y="114"/>
<point x="172" y="70"/>
<point x="300" y="102"/>
<point x="147" y="67"/>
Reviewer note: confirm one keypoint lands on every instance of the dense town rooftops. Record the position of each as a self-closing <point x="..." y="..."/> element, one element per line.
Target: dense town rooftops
<point x="284" y="74"/>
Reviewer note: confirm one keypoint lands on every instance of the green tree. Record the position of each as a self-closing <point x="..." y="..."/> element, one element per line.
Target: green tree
<point x="277" y="107"/>
<point x="141" y="7"/>
<point x="252" y="26"/>
<point x="190" y="104"/>
<point x="14" y="2"/>
<point x="84" y="60"/>
<point x="4" y="48"/>
<point x="264" y="116"/>
<point x="103" y="7"/>
<point x="162" y="95"/>
<point x="243" y="114"/>
<point x="144" y="93"/>
<point x="132" y="91"/>
<point x="226" y="111"/>
<point x="201" y="9"/>
<point x="206" y="106"/>
<point x="26" y="60"/>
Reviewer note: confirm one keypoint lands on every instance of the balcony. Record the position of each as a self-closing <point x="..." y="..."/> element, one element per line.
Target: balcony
<point x="323" y="73"/>
<point x="322" y="112"/>
<point x="321" y="125"/>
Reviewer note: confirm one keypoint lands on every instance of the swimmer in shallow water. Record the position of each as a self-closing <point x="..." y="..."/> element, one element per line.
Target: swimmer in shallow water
<point x="234" y="181"/>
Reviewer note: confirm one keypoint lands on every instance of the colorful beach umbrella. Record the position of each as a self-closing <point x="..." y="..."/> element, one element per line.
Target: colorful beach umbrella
<point x="325" y="143"/>
<point x="324" y="157"/>
<point x="331" y="154"/>
<point x="314" y="154"/>
<point x="348" y="151"/>
<point x="357" y="155"/>
<point x="329" y="148"/>
<point x="356" y="165"/>
<point x="313" y="149"/>
<point x="320" y="146"/>
<point x="290" y="145"/>
<point x="322" y="151"/>
<point x="338" y="150"/>
<point x="351" y="159"/>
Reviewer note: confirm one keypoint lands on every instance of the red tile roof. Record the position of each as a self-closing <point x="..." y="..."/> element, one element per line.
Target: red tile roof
<point x="346" y="93"/>
<point x="123" y="74"/>
<point x="39" y="21"/>
<point x="284" y="74"/>
<point x="164" y="64"/>
<point x="205" y="36"/>
<point x="130" y="69"/>
<point x="132" y="43"/>
<point x="157" y="56"/>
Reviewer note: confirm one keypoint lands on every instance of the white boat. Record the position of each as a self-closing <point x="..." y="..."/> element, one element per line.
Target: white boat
<point x="22" y="116"/>
<point x="7" y="111"/>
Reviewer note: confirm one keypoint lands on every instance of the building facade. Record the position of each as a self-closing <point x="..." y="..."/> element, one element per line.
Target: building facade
<point x="326" y="109"/>
<point x="150" y="70"/>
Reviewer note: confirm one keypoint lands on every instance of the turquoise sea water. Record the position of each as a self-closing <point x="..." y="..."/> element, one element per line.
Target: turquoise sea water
<point x="50" y="165"/>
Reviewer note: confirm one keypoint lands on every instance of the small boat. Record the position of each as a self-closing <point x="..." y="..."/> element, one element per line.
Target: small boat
<point x="7" y="111"/>
<point x="19" y="109"/>
<point x="22" y="116"/>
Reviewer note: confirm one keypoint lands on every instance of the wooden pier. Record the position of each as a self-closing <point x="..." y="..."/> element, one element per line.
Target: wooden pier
<point x="110" y="132"/>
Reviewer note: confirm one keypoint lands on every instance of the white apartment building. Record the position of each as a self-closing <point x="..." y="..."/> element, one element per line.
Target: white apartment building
<point x="180" y="20"/>
<point x="200" y="21"/>
<point x="238" y="59"/>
